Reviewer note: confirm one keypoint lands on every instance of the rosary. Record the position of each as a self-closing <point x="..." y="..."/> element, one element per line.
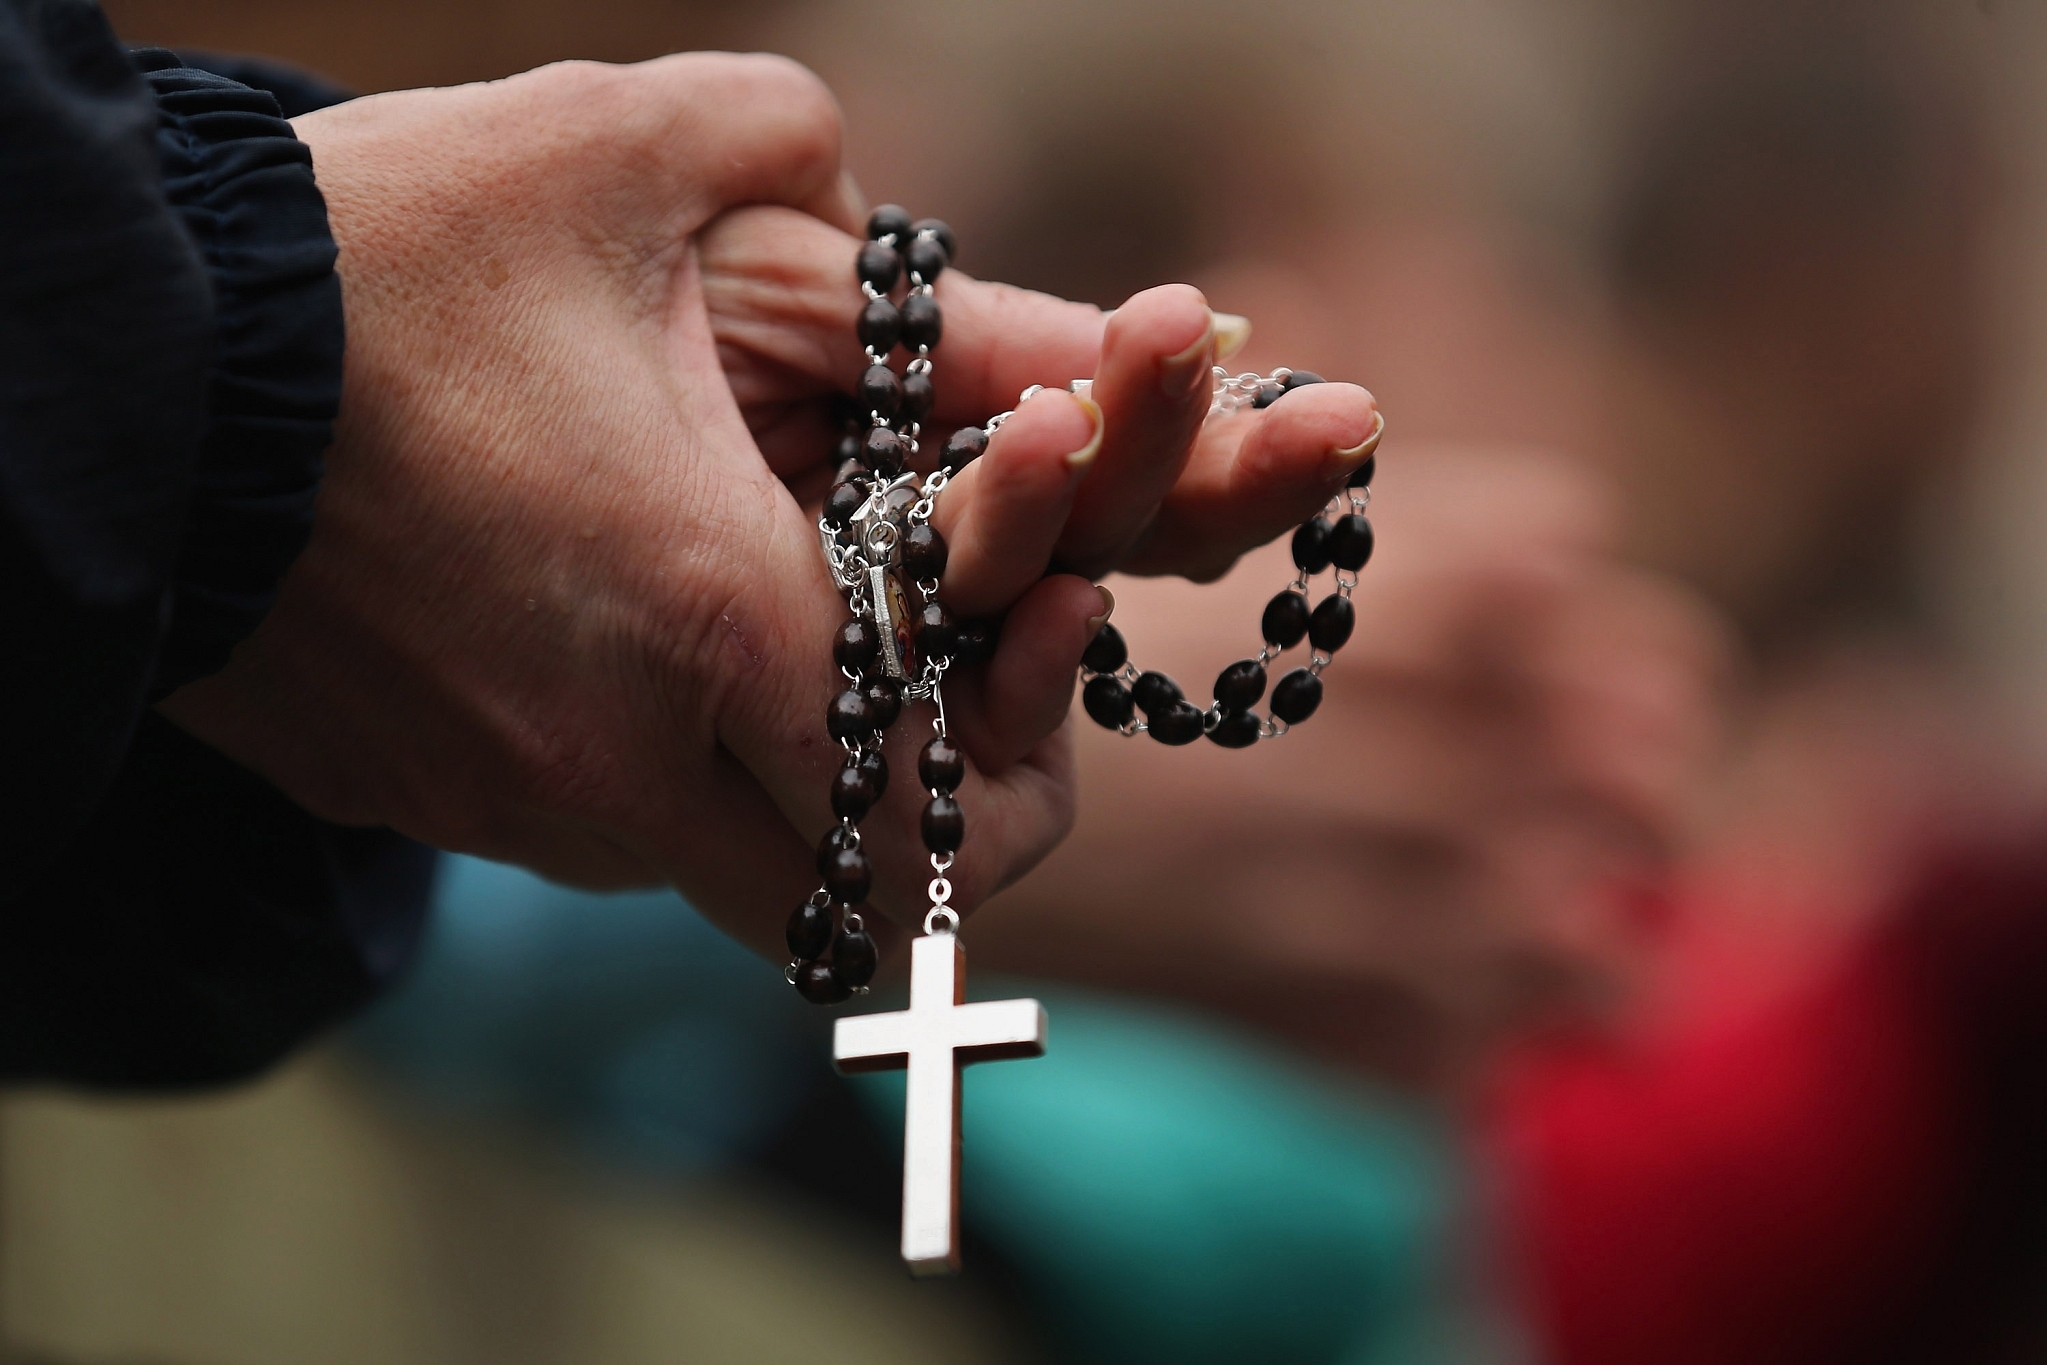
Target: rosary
<point x="877" y="536"/>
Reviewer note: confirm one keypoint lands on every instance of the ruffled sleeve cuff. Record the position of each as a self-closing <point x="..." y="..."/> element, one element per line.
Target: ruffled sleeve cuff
<point x="243" y="185"/>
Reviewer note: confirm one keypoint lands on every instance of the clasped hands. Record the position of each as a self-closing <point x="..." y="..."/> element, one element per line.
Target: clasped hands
<point x="563" y="603"/>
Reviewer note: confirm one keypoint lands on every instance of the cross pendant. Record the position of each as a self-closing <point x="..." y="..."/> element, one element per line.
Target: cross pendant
<point x="932" y="1040"/>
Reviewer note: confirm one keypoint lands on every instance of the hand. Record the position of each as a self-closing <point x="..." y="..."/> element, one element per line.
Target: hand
<point x="1464" y="835"/>
<point x="557" y="607"/>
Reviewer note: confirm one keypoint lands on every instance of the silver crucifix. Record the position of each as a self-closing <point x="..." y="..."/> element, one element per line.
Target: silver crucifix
<point x="932" y="1040"/>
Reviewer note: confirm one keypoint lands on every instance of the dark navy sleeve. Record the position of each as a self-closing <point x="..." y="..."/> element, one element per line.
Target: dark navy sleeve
<point x="171" y="347"/>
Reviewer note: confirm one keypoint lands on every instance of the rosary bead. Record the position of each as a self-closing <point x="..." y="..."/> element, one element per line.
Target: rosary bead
<point x="880" y="392"/>
<point x="875" y="766"/>
<point x="857" y="644"/>
<point x="964" y="447"/>
<point x="1239" y="686"/>
<point x="850" y="715"/>
<point x="1268" y="394"/>
<point x="879" y="326"/>
<point x="937" y="228"/>
<point x="1285" y="620"/>
<point x="1311" y="545"/>
<point x="1106" y="652"/>
<point x="937" y="636"/>
<point x="1350" y="542"/>
<point x="923" y="323"/>
<point x="810" y="932"/>
<point x="847" y="451"/>
<point x="854" y="959"/>
<point x="1332" y="625"/>
<point x="816" y="983"/>
<point x="1295" y="697"/>
<point x="942" y="765"/>
<point x="889" y="220"/>
<point x="885" y="699"/>
<point x="1154" y="692"/>
<point x="1107" y="702"/>
<point x="1361" y="477"/>
<point x="853" y="794"/>
<point x="1298" y="378"/>
<point x="842" y="502"/>
<point x="945" y="825"/>
<point x="977" y="642"/>
<point x="879" y="266"/>
<point x="838" y="839"/>
<point x="924" y="553"/>
<point x="848" y="876"/>
<point x="1238" y="730"/>
<point x="918" y="396"/>
<point x="1179" y="723"/>
<point x="883" y="452"/>
<point x="925" y="258"/>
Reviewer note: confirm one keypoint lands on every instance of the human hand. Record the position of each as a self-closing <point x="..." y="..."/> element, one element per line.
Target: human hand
<point x="557" y="608"/>
<point x="1466" y="832"/>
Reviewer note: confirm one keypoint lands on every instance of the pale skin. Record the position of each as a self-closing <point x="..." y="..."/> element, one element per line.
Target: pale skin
<point x="564" y="603"/>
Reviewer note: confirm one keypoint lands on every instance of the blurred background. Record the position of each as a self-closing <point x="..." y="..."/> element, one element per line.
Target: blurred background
<point x="1575" y="989"/>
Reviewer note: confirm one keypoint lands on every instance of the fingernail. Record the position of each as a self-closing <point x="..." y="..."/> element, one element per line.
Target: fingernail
<point x="1344" y="461"/>
<point x="849" y="189"/>
<point x="1232" y="331"/>
<point x="1096" y="622"/>
<point x="1085" y="456"/>
<point x="1177" y="373"/>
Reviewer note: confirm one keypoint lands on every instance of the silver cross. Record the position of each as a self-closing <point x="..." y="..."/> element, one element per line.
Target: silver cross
<point x="932" y="1040"/>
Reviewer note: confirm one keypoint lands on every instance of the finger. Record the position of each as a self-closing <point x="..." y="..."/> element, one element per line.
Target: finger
<point x="1005" y="710"/>
<point x="1153" y="386"/>
<point x="1256" y="475"/>
<point x="1002" y="514"/>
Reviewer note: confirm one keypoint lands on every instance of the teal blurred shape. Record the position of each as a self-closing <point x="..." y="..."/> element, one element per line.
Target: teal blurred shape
<point x="1175" y="1192"/>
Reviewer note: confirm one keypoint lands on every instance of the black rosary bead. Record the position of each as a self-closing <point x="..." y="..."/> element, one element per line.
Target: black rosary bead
<point x="848" y="453"/>
<point x="942" y="765"/>
<point x="1334" y="620"/>
<point x="944" y="824"/>
<point x="1268" y="394"/>
<point x="842" y="502"/>
<point x="1177" y="724"/>
<point x="850" y="715"/>
<point x="878" y="267"/>
<point x="923" y="323"/>
<point x="883" y="452"/>
<point x="937" y="636"/>
<point x="1154" y="692"/>
<point x="816" y="983"/>
<point x="1285" y="620"/>
<point x="857" y="644"/>
<point x="938" y="228"/>
<point x="925" y="258"/>
<point x="918" y="396"/>
<point x="977" y="642"/>
<point x="879" y="326"/>
<point x="1295" y="697"/>
<point x="853" y="794"/>
<point x="1106" y="652"/>
<point x="964" y="447"/>
<point x="880" y="392"/>
<point x="1107" y="701"/>
<point x="848" y="876"/>
<point x="1361" y="477"/>
<point x="1239" y="686"/>
<point x="885" y="699"/>
<point x="810" y="931"/>
<point x="1311" y="545"/>
<point x="1298" y="378"/>
<point x="1238" y="730"/>
<point x="924" y="553"/>
<point x="1350" y="542"/>
<point x="836" y="840"/>
<point x="875" y="766"/>
<point x="889" y="220"/>
<point x="854" y="959"/>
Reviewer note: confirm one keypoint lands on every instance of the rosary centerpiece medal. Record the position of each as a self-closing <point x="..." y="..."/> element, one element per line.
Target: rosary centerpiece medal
<point x="896" y="647"/>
